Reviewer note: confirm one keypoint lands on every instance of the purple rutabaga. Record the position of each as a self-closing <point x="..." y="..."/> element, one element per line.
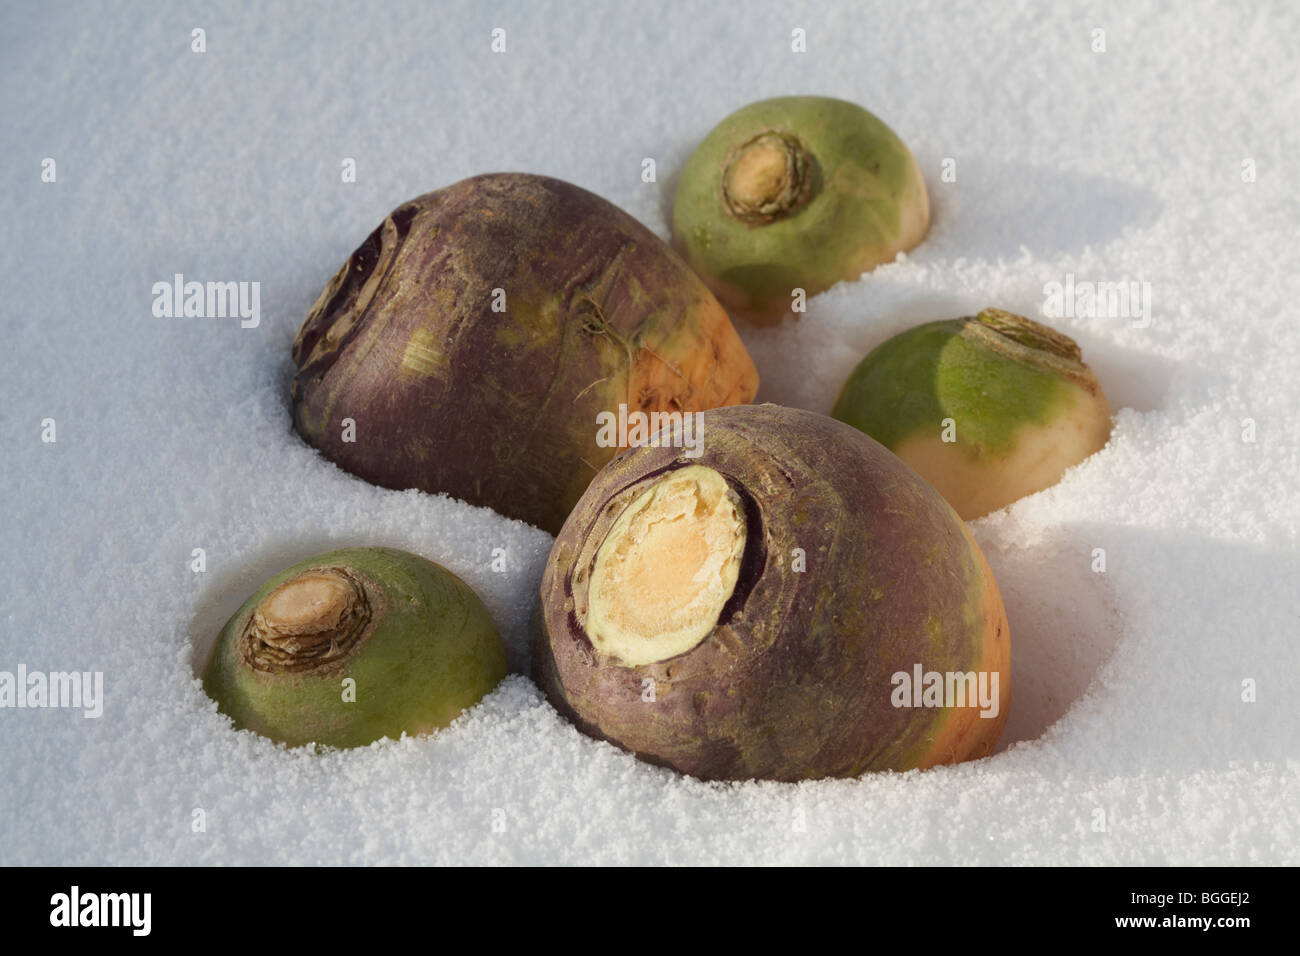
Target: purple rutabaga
<point x="470" y="344"/>
<point x="746" y="613"/>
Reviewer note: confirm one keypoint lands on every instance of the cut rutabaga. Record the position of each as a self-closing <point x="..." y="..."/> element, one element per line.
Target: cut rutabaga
<point x="354" y="645"/>
<point x="763" y="610"/>
<point x="478" y="340"/>
<point x="666" y="568"/>
<point x="988" y="409"/>
<point x="798" y="192"/>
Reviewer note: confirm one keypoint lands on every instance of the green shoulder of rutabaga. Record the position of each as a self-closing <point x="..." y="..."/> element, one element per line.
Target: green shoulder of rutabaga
<point x="916" y="381"/>
<point x="988" y="409"/>
<point x="354" y="645"/>
<point x="796" y="192"/>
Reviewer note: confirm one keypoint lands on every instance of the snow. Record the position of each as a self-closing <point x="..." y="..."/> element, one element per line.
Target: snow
<point x="173" y="434"/>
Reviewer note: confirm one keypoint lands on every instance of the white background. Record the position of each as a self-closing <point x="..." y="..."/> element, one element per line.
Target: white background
<point x="173" y="434"/>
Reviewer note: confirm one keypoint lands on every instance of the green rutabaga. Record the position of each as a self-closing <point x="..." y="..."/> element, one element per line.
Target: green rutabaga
<point x="988" y="409"/>
<point x="354" y="645"/>
<point x="798" y="192"/>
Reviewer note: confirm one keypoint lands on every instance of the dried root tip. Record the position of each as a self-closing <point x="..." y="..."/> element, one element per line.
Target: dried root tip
<point x="768" y="178"/>
<point x="1032" y="343"/>
<point x="307" y="623"/>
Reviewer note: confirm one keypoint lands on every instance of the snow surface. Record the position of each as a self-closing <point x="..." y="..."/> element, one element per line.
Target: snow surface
<point x="173" y="434"/>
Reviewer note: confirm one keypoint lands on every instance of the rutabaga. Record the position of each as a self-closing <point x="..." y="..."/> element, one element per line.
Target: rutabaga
<point x="796" y="193"/>
<point x="987" y="409"/>
<point x="470" y="343"/>
<point x="744" y="613"/>
<point x="354" y="645"/>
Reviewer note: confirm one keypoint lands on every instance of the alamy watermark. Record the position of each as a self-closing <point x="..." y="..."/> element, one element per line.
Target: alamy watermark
<point x="76" y="908"/>
<point x="1098" y="300"/>
<point x="923" y="688"/>
<point x="208" y="300"/>
<point x="657" y="429"/>
<point x="82" y="690"/>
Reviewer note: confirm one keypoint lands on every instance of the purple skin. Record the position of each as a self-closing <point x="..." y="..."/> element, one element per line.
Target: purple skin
<point x="499" y="407"/>
<point x="794" y="682"/>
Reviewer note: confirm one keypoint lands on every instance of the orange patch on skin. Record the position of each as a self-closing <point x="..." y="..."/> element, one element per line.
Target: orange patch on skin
<point x="962" y="733"/>
<point x="701" y="365"/>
